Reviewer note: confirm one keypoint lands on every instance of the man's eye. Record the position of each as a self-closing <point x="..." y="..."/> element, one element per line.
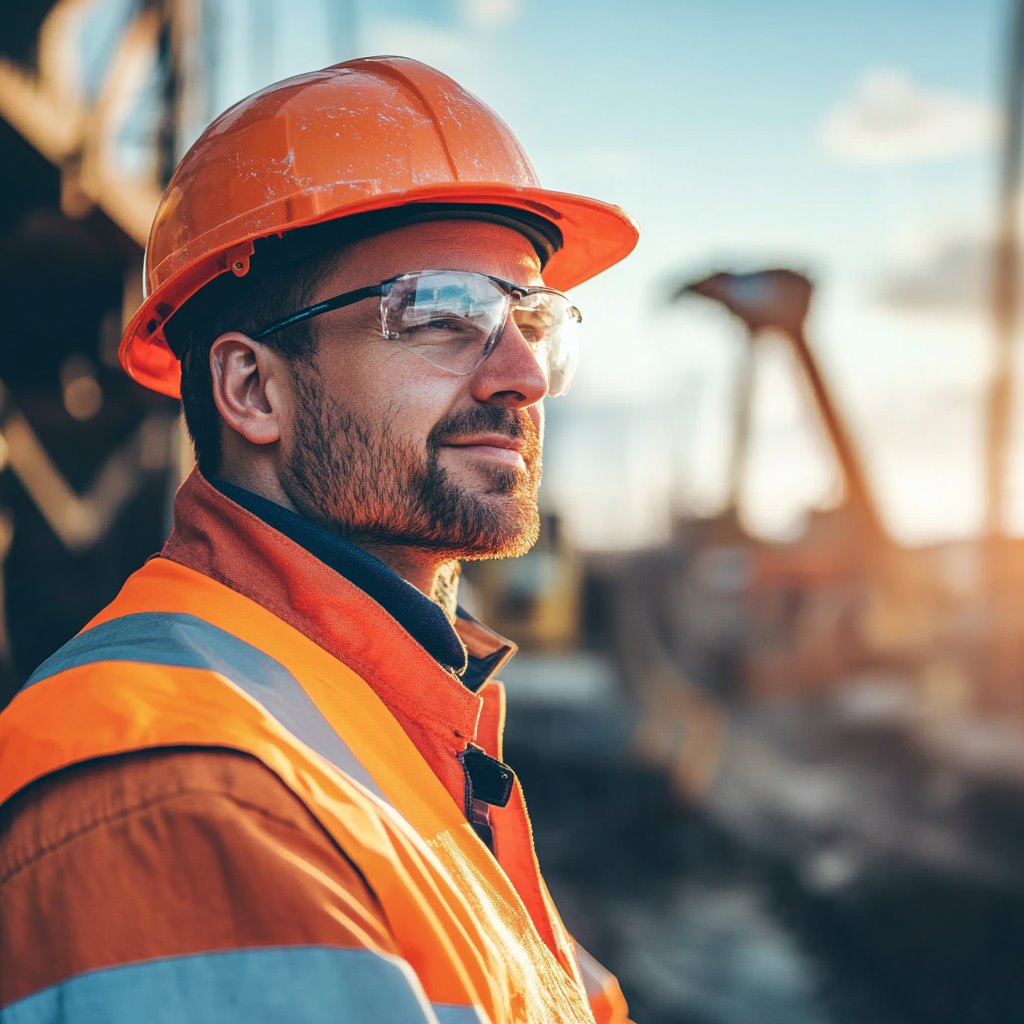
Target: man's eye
<point x="533" y="327"/>
<point x="443" y="329"/>
<point x="434" y="323"/>
<point x="471" y="321"/>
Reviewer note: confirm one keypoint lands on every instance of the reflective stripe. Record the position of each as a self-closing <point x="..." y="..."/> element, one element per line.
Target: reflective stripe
<point x="447" y="1014"/>
<point x="595" y="976"/>
<point x="298" y="984"/>
<point x="185" y="641"/>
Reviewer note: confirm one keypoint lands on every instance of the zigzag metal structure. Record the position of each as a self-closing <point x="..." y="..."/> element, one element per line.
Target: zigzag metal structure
<point x="49" y="109"/>
<point x="81" y="520"/>
<point x="76" y="217"/>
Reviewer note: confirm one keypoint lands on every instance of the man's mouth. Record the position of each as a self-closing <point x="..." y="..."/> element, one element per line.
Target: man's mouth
<point x="496" y="447"/>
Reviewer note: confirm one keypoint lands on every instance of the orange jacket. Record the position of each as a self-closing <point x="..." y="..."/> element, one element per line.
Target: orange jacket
<point x="428" y="924"/>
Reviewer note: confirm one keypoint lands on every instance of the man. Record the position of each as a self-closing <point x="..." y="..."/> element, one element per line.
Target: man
<point x="266" y="782"/>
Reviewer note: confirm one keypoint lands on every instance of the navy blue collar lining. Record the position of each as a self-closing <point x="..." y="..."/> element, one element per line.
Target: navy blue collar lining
<point x="414" y="611"/>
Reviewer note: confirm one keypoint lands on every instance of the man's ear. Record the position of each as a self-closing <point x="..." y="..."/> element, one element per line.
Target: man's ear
<point x="247" y="390"/>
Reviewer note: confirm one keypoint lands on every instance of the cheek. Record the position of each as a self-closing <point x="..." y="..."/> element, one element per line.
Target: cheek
<point x="356" y="389"/>
<point x="414" y="405"/>
<point x="396" y="391"/>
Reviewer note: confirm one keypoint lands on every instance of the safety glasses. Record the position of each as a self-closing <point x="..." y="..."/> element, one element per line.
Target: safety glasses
<point x="454" y="319"/>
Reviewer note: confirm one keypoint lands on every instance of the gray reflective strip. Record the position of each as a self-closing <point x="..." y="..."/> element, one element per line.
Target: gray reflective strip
<point x="298" y="984"/>
<point x="184" y="641"/>
<point x="595" y="977"/>
<point x="447" y="1014"/>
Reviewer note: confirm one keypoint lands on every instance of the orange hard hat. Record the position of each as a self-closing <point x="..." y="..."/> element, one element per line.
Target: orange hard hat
<point x="372" y="134"/>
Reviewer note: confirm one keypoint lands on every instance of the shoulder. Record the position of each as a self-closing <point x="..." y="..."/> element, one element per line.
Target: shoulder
<point x="160" y="852"/>
<point x="95" y="796"/>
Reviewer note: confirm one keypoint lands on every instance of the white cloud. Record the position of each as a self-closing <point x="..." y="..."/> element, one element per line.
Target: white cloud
<point x="892" y="119"/>
<point x="491" y="13"/>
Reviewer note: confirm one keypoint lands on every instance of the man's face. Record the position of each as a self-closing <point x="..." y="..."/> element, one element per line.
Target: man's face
<point x="383" y="447"/>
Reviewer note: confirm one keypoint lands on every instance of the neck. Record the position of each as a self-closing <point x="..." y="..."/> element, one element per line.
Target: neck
<point x="437" y="578"/>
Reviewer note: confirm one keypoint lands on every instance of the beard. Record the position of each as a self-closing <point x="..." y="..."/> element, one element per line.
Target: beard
<point x="356" y="478"/>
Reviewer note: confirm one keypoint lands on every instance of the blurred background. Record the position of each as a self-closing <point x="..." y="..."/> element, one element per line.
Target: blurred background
<point x="769" y="705"/>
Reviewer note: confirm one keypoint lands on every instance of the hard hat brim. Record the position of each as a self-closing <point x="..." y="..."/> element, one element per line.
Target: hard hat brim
<point x="595" y="236"/>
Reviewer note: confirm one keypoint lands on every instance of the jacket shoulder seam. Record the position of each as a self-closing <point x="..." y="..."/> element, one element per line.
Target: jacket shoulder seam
<point x="140" y="807"/>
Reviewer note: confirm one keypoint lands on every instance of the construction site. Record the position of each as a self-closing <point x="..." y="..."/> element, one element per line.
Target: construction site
<point x="771" y="778"/>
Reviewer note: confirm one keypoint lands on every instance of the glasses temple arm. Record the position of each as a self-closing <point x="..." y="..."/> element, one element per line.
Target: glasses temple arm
<point x="335" y="302"/>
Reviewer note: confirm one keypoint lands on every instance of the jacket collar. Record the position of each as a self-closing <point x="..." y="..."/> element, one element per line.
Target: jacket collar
<point x="342" y="598"/>
<point x="423" y="619"/>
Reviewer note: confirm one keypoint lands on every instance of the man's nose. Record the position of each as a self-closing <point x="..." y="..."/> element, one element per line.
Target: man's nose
<point x="515" y="373"/>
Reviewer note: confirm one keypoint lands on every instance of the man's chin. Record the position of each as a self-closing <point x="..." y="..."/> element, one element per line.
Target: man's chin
<point x="504" y="538"/>
<point x="509" y="545"/>
<point x="490" y="525"/>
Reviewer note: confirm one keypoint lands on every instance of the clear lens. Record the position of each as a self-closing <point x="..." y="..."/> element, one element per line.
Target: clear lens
<point x="453" y="319"/>
<point x="447" y="318"/>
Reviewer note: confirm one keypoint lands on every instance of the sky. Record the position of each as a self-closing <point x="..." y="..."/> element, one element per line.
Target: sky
<point x="857" y="143"/>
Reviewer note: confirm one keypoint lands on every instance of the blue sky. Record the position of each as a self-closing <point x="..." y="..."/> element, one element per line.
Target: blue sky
<point x="856" y="142"/>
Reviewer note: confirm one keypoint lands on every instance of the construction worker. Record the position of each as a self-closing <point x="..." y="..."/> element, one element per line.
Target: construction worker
<point x="265" y="783"/>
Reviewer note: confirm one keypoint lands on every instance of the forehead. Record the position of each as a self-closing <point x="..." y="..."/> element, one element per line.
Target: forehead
<point x="437" y="245"/>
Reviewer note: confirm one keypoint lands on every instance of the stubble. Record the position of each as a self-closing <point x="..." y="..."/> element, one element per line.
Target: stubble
<point x="354" y="476"/>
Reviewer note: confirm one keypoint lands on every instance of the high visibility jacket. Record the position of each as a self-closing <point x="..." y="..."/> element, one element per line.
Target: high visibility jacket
<point x="179" y="660"/>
